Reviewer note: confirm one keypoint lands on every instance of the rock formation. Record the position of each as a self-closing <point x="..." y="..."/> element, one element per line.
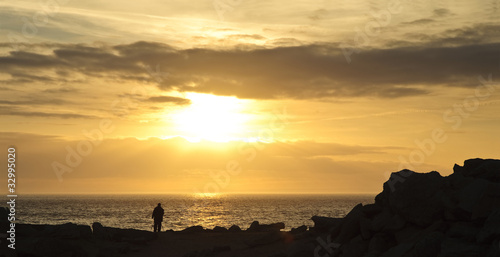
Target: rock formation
<point x="422" y="214"/>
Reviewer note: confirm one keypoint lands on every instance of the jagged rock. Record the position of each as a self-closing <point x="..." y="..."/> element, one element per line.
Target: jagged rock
<point x="4" y="222"/>
<point x="491" y="229"/>
<point x="265" y="239"/>
<point x="256" y="227"/>
<point x="364" y="228"/>
<point x="408" y="234"/>
<point x="488" y="169"/>
<point x="131" y="235"/>
<point x="234" y="228"/>
<point x="325" y="224"/>
<point x="397" y="223"/>
<point x="278" y="225"/>
<point x="463" y="230"/>
<point x="50" y="246"/>
<point x="398" y="250"/>
<point x="355" y="247"/>
<point x="299" y="230"/>
<point x="471" y="194"/>
<point x="194" y="229"/>
<point x="67" y="231"/>
<point x="380" y="243"/>
<point x="99" y="231"/>
<point x="380" y="221"/>
<point x="223" y="248"/>
<point x="415" y="203"/>
<point x="29" y="230"/>
<point x="429" y="246"/>
<point x="488" y="202"/>
<point x="494" y="249"/>
<point x="349" y="227"/>
<point x="219" y="229"/>
<point x="301" y="249"/>
<point x="200" y="253"/>
<point x="459" y="248"/>
<point x="371" y="210"/>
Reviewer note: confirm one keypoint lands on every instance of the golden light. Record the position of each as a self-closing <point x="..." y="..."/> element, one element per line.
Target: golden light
<point x="210" y="117"/>
<point x="207" y="195"/>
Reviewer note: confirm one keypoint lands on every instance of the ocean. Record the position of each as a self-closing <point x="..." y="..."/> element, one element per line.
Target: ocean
<point x="181" y="211"/>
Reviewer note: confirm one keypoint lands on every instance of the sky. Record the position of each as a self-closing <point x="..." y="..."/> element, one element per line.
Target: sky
<point x="236" y="96"/>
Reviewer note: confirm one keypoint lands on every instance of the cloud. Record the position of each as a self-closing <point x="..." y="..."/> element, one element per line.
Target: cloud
<point x="169" y="99"/>
<point x="420" y="21"/>
<point x="441" y="12"/>
<point x="35" y="101"/>
<point x="61" y="90"/>
<point x="317" y="14"/>
<point x="296" y="72"/>
<point x="246" y="36"/>
<point x="19" y="112"/>
<point x="171" y="161"/>
<point x="474" y="35"/>
<point x="308" y="149"/>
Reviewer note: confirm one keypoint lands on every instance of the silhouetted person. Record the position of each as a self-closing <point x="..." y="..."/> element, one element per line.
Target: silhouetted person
<point x="158" y="217"/>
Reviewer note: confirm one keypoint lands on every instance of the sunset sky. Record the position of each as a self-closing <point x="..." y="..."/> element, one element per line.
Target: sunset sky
<point x="245" y="96"/>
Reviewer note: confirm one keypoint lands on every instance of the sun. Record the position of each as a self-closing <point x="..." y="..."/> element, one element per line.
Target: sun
<point x="210" y="117"/>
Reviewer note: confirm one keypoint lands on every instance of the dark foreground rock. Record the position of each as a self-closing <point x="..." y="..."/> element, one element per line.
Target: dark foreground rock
<point x="78" y="240"/>
<point x="422" y="214"/>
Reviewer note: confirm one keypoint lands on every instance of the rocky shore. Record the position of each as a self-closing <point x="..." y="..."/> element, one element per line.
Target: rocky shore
<point x="416" y="214"/>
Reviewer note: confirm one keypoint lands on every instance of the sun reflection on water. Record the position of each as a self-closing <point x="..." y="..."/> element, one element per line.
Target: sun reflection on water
<point x="207" y="195"/>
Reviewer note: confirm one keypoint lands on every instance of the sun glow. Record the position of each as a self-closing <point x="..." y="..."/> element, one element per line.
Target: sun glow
<point x="210" y="117"/>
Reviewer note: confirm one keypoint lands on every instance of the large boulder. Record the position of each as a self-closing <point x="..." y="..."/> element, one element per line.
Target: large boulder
<point x="491" y="229"/>
<point x="194" y="229"/>
<point x="299" y="230"/>
<point x="219" y="229"/>
<point x="463" y="230"/>
<point x="459" y="248"/>
<point x="234" y="229"/>
<point x="416" y="197"/>
<point x="425" y="214"/>
<point x="350" y="225"/>
<point x="488" y="169"/>
<point x="257" y="227"/>
<point x="325" y="224"/>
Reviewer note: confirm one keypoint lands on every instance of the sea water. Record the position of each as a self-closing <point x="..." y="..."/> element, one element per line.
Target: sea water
<point x="181" y="211"/>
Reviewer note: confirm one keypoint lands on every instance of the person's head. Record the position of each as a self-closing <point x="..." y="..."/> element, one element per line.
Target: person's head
<point x="159" y="204"/>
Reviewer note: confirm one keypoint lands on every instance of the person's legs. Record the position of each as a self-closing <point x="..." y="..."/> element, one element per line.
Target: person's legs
<point x="155" y="227"/>
<point x="159" y="226"/>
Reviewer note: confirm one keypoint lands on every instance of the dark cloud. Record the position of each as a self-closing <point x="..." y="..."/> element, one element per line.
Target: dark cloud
<point x="19" y="112"/>
<point x="420" y="21"/>
<point x="477" y="35"/>
<point x="61" y="90"/>
<point x="35" y="101"/>
<point x="247" y="36"/>
<point x="308" y="149"/>
<point x="169" y="99"/>
<point x="454" y="58"/>
<point x="441" y="12"/>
